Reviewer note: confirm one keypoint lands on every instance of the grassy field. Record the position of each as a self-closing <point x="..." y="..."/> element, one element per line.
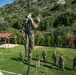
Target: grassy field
<point x="9" y="61"/>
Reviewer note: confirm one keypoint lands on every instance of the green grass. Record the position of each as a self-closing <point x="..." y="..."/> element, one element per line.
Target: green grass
<point x="9" y="61"/>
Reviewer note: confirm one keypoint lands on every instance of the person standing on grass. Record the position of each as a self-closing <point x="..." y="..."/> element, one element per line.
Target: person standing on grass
<point x="74" y="62"/>
<point x="61" y="62"/>
<point x="54" y="56"/>
<point x="71" y="41"/>
<point x="21" y="56"/>
<point x="44" y="56"/>
<point x="37" y="61"/>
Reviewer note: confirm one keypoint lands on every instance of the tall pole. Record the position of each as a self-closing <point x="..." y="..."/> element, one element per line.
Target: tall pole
<point x="28" y="6"/>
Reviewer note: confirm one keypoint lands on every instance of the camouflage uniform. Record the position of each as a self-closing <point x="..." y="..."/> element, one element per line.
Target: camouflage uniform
<point x="54" y="56"/>
<point x="29" y="38"/>
<point x="21" y="56"/>
<point x="61" y="62"/>
<point x="44" y="56"/>
<point x="37" y="61"/>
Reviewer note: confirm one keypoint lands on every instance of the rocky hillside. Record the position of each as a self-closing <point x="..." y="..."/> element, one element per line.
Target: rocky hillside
<point x="20" y="6"/>
<point x="58" y="20"/>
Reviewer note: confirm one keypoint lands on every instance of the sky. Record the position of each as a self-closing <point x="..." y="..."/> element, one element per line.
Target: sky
<point x="3" y="2"/>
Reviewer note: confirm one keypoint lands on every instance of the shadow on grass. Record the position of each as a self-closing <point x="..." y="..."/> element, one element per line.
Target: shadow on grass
<point x="46" y="63"/>
<point x="50" y="67"/>
<point x="51" y="63"/>
<point x="30" y="64"/>
<point x="16" y="59"/>
<point x="47" y="66"/>
<point x="40" y="60"/>
<point x="25" y="61"/>
<point x="33" y="58"/>
<point x="68" y="68"/>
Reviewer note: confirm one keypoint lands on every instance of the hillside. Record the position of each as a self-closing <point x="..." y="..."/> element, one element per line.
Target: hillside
<point x="58" y="20"/>
<point x="20" y="6"/>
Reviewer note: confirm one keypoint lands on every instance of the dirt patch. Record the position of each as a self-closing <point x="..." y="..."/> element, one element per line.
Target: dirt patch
<point x="8" y="45"/>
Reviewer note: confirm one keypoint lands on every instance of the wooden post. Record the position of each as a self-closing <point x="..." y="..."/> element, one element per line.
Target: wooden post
<point x="28" y="5"/>
<point x="15" y="40"/>
<point x="5" y="42"/>
<point x="8" y="42"/>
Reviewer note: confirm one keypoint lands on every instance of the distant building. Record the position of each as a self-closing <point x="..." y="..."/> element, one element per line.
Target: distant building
<point x="61" y="2"/>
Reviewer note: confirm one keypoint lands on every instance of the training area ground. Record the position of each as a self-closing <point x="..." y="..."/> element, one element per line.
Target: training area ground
<point x="8" y="45"/>
<point x="10" y="63"/>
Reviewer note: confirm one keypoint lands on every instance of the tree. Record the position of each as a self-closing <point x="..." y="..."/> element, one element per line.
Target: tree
<point x="61" y="36"/>
<point x="3" y="25"/>
<point x="17" y="33"/>
<point x="52" y="40"/>
<point x="58" y="7"/>
<point x="47" y="23"/>
<point x="37" y="39"/>
<point x="17" y="22"/>
<point x="47" y="40"/>
<point x="66" y="19"/>
<point x="59" y="40"/>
